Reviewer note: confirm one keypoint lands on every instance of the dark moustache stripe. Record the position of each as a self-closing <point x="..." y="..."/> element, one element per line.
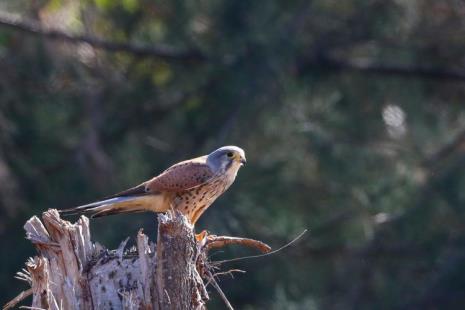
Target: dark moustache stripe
<point x="229" y="165"/>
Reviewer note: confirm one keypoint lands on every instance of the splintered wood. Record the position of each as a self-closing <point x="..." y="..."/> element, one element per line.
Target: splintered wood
<point x="72" y="272"/>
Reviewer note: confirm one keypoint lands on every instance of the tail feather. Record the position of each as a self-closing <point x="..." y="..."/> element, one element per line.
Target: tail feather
<point x="117" y="205"/>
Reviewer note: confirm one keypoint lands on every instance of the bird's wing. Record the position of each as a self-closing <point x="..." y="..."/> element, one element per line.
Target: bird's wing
<point x="181" y="176"/>
<point x="133" y="191"/>
<point x="149" y="195"/>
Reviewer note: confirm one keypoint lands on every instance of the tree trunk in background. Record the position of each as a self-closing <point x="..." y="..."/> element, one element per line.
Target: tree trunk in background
<point x="71" y="272"/>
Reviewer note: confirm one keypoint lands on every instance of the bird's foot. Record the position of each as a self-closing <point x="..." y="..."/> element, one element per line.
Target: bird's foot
<point x="202" y="237"/>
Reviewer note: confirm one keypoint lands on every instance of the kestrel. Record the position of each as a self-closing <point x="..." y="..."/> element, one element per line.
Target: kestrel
<point x="190" y="187"/>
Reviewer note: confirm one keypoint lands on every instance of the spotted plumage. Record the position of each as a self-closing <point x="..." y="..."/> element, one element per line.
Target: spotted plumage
<point x="190" y="187"/>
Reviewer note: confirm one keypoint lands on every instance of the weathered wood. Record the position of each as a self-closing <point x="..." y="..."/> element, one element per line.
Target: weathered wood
<point x="72" y="272"/>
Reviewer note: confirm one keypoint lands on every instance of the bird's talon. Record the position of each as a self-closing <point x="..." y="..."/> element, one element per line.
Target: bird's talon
<point x="202" y="236"/>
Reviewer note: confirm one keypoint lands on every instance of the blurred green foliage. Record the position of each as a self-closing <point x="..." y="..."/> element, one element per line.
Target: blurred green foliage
<point x="370" y="159"/>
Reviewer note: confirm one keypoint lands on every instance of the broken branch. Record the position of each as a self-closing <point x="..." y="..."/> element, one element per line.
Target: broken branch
<point x="17" y="299"/>
<point x="262" y="255"/>
<point x="214" y="242"/>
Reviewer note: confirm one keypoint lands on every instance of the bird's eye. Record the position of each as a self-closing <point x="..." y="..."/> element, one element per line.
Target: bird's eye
<point x="230" y="154"/>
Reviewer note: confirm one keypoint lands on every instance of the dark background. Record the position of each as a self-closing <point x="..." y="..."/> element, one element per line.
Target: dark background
<point x="351" y="114"/>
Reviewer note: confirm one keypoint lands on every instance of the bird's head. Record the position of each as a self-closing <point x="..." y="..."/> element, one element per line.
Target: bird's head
<point x="226" y="157"/>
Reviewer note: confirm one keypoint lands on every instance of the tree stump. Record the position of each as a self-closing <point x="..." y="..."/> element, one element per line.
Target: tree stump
<point x="72" y="272"/>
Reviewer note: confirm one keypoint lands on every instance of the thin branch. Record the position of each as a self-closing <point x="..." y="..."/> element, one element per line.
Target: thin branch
<point x="224" y="273"/>
<point x="262" y="255"/>
<point x="168" y="53"/>
<point x="229" y="272"/>
<point x="17" y="299"/>
<point x="331" y="64"/>
<point x="219" y="290"/>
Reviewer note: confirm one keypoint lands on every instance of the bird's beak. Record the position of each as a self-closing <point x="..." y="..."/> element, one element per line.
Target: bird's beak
<point x="242" y="160"/>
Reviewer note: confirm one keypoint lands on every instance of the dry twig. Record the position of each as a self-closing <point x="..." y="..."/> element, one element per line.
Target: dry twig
<point x="17" y="299"/>
<point x="213" y="241"/>
<point x="219" y="290"/>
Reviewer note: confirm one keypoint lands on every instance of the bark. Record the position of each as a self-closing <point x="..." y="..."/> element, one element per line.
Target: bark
<point x="72" y="272"/>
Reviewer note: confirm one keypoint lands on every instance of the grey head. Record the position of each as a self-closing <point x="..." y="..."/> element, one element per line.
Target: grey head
<point x="226" y="157"/>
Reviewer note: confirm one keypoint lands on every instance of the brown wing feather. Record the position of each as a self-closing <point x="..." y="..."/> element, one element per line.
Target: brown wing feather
<point x="133" y="191"/>
<point x="182" y="176"/>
